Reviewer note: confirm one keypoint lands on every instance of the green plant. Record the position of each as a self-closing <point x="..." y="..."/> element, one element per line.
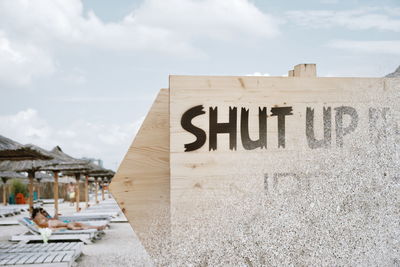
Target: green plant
<point x="18" y="187"/>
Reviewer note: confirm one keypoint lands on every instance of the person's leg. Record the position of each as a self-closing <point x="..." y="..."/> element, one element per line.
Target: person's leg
<point x="56" y="224"/>
<point x="81" y="226"/>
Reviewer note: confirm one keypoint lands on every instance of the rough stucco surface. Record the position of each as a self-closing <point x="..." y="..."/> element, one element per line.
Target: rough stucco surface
<point x="348" y="215"/>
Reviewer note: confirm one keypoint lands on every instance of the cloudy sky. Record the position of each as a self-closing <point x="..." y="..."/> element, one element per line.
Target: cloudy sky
<point x="82" y="73"/>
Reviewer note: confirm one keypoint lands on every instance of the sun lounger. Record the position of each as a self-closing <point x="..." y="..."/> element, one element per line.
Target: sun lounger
<point x="33" y="234"/>
<point x="86" y="218"/>
<point x="20" y="207"/>
<point x="112" y="214"/>
<point x="51" y="254"/>
<point x="8" y="222"/>
<point x="51" y="200"/>
<point x="9" y="211"/>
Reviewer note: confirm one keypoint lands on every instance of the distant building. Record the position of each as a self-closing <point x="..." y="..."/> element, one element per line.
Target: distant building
<point x="98" y="162"/>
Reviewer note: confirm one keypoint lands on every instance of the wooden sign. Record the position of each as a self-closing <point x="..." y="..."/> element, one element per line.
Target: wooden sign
<point x="271" y="170"/>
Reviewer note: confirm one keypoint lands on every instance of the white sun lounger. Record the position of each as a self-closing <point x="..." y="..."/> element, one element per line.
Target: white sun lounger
<point x="20" y="207"/>
<point x="87" y="222"/>
<point x="30" y="255"/>
<point x="33" y="234"/>
<point x="50" y="200"/>
<point x="8" y="211"/>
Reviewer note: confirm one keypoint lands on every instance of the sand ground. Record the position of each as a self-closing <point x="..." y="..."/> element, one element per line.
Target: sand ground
<point x="119" y="247"/>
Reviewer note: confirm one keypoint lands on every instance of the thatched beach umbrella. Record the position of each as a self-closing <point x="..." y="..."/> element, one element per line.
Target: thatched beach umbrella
<point x="5" y="176"/>
<point x="102" y="175"/>
<point x="92" y="168"/>
<point x="67" y="164"/>
<point x="11" y="150"/>
<point x="29" y="166"/>
<point x="58" y="163"/>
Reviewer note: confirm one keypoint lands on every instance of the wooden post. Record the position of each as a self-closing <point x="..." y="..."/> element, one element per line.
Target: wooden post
<point x="5" y="189"/>
<point x="77" y="177"/>
<point x="96" y="190"/>
<point x="86" y="190"/>
<point x="38" y="188"/>
<point x="102" y="189"/>
<point x="31" y="176"/>
<point x="4" y="194"/>
<point x="55" y="190"/>
<point x="108" y="188"/>
<point x="8" y="191"/>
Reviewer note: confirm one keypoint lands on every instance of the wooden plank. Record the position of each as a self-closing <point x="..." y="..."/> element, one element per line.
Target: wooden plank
<point x="5" y="259"/>
<point x="42" y="257"/>
<point x="3" y="256"/>
<point x="51" y="257"/>
<point x="56" y="246"/>
<point x="63" y="246"/>
<point x="86" y="238"/>
<point x="304" y="70"/>
<point x="141" y="184"/>
<point x="60" y="256"/>
<point x="68" y="257"/>
<point x="55" y="192"/>
<point x="16" y="257"/>
<point x="70" y="246"/>
<point x="33" y="258"/>
<point x="5" y="245"/>
<point x="24" y="258"/>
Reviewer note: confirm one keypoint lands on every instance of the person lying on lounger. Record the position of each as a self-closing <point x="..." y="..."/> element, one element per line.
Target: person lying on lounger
<point x="41" y="218"/>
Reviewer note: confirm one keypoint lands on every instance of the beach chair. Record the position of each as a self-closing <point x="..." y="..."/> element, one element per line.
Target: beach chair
<point x="87" y="218"/>
<point x="6" y="211"/>
<point x="50" y="200"/>
<point x="20" y="207"/>
<point x="33" y="234"/>
<point x="29" y="255"/>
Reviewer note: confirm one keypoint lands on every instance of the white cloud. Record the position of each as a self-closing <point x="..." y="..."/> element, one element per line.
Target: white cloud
<point x="35" y="30"/>
<point x="384" y="19"/>
<point x="80" y="138"/>
<point x="381" y="47"/>
<point x="20" y="63"/>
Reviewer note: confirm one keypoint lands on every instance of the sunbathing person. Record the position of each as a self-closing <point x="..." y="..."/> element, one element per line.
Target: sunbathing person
<point x="40" y="217"/>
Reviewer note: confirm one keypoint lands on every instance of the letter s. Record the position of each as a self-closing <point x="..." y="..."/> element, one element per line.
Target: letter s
<point x="186" y="122"/>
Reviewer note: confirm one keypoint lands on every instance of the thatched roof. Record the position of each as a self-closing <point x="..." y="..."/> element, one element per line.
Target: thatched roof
<point x="66" y="162"/>
<point x="105" y="173"/>
<point x="11" y="150"/>
<point x="24" y="165"/>
<point x="60" y="162"/>
<point x="11" y="175"/>
<point x="95" y="171"/>
<point x="57" y="151"/>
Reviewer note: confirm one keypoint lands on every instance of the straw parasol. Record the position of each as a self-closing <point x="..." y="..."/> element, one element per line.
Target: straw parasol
<point x="66" y="164"/>
<point x="29" y="166"/>
<point x="11" y="150"/>
<point x="58" y="163"/>
<point x="91" y="167"/>
<point x="96" y="172"/>
<point x="5" y="176"/>
<point x="102" y="174"/>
